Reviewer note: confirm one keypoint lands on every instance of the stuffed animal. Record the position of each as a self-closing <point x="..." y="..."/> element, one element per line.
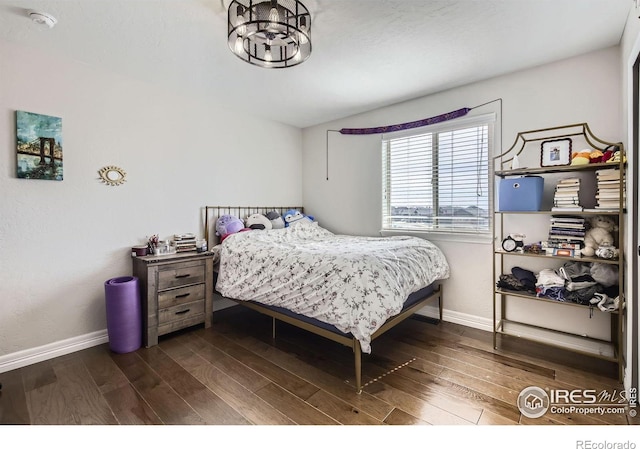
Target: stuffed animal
<point x="582" y="157"/>
<point x="276" y="220"/>
<point x="258" y="221"/>
<point x="599" y="234"/>
<point x="615" y="158"/>
<point x="228" y="224"/>
<point x="293" y="217"/>
<point x="595" y="156"/>
<point x="607" y="154"/>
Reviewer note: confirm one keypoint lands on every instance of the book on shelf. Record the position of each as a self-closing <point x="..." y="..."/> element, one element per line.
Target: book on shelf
<point x="567" y="209"/>
<point x="567" y="219"/>
<point x="608" y="193"/>
<point x="603" y="209"/>
<point x="612" y="184"/>
<point x="567" y="227"/>
<point x="561" y="190"/>
<point x="553" y="243"/>
<point x="568" y="238"/>
<point x="568" y="181"/>
<point x="566" y="203"/>
<point x="567" y="232"/>
<point x="608" y="173"/>
<point x="567" y="195"/>
<point x="608" y="190"/>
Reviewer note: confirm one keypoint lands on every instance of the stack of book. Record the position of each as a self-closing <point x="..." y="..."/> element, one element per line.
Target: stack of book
<point x="566" y="235"/>
<point x="608" y="190"/>
<point x="184" y="242"/>
<point x="566" y="197"/>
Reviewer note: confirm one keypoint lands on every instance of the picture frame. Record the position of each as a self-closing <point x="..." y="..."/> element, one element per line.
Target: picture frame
<point x="555" y="152"/>
<point x="38" y="146"/>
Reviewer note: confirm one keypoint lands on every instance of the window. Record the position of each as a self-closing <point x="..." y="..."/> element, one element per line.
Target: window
<point x="437" y="180"/>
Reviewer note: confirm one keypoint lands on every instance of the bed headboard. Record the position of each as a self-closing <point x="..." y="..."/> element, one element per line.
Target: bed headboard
<point x="211" y="214"/>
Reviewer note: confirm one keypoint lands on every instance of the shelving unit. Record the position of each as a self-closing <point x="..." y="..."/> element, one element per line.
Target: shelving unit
<point x="527" y="147"/>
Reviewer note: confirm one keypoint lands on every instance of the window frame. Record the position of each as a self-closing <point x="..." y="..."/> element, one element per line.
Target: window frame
<point x="471" y="236"/>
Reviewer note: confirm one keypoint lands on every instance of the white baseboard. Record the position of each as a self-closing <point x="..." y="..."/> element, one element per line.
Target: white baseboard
<point x="452" y="316"/>
<point x="570" y="342"/>
<point x="34" y="355"/>
<point x="27" y="357"/>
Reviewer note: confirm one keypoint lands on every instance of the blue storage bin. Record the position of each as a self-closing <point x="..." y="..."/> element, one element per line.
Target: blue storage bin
<point x="520" y="194"/>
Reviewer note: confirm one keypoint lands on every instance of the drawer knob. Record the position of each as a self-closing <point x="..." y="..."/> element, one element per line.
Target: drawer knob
<point x="182" y="312"/>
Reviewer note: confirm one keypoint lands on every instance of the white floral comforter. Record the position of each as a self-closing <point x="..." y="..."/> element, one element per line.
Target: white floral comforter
<point x="353" y="283"/>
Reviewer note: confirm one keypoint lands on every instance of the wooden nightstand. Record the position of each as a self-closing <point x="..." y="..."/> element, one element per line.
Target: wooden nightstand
<point x="176" y="292"/>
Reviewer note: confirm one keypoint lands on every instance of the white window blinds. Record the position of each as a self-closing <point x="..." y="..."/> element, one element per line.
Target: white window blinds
<point x="438" y="180"/>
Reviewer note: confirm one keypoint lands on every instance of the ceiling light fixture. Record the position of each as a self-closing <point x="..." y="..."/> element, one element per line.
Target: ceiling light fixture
<point x="43" y="18"/>
<point x="269" y="33"/>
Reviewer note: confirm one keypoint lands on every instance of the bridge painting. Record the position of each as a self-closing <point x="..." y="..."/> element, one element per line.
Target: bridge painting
<point x="39" y="146"/>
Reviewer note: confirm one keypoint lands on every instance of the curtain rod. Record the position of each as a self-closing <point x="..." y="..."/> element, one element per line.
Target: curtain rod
<point x="404" y="126"/>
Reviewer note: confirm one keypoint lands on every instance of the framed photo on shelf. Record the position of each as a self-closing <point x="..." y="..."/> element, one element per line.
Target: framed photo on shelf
<point x="555" y="152"/>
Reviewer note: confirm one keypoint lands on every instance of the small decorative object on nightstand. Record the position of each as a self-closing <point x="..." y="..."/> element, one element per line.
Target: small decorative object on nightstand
<point x="176" y="292"/>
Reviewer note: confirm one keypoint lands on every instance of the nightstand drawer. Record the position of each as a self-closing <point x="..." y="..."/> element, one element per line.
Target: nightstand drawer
<point x="180" y="312"/>
<point x="185" y="273"/>
<point x="181" y="295"/>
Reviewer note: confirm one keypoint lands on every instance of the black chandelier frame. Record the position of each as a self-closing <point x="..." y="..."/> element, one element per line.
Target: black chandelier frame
<point x="269" y="33"/>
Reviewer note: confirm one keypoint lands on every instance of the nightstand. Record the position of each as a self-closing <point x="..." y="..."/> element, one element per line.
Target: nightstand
<point x="176" y="292"/>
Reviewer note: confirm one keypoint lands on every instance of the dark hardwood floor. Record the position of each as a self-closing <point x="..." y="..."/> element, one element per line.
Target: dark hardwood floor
<point x="234" y="373"/>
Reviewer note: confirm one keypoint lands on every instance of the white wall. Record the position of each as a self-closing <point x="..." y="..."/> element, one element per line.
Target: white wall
<point x="60" y="241"/>
<point x="582" y="89"/>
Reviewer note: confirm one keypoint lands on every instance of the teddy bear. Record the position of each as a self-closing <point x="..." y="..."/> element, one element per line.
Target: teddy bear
<point x="227" y="225"/>
<point x="599" y="234"/>
<point x="293" y="217"/>
<point x="258" y="221"/>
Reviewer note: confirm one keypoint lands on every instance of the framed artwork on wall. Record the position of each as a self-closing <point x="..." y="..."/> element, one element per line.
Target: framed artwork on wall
<point x="38" y="146"/>
<point x="555" y="152"/>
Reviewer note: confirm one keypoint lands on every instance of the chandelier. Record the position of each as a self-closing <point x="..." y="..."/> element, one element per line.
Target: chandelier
<point x="269" y="33"/>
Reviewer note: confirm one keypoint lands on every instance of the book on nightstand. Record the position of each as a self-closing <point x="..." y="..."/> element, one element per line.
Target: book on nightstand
<point x="184" y="242"/>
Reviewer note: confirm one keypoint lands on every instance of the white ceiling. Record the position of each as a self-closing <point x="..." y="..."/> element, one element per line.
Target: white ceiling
<point x="366" y="53"/>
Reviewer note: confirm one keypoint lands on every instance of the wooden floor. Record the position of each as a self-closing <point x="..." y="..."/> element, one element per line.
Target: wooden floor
<point x="234" y="373"/>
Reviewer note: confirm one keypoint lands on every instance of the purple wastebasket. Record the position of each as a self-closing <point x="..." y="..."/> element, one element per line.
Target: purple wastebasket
<point x="124" y="314"/>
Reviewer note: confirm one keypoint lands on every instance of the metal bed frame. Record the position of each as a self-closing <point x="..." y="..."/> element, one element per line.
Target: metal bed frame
<point x="211" y="214"/>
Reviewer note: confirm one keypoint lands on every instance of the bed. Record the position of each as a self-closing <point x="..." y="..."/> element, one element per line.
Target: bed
<point x="349" y="289"/>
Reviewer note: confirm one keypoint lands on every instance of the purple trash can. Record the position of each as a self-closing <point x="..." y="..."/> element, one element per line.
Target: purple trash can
<point x="124" y="314"/>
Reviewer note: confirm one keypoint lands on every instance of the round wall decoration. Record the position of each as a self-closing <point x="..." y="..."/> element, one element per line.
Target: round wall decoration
<point x="113" y="176"/>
